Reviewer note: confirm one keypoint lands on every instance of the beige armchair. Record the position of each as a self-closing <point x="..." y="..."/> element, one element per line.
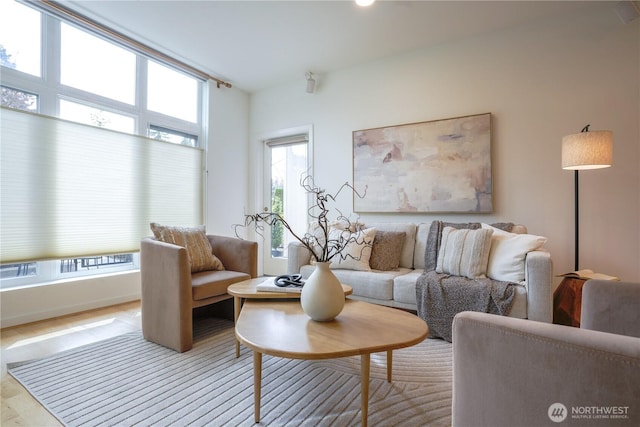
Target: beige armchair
<point x="170" y="291"/>
<point x="514" y="372"/>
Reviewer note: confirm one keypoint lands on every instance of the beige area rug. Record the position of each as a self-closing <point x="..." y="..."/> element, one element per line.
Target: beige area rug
<point x="127" y="381"/>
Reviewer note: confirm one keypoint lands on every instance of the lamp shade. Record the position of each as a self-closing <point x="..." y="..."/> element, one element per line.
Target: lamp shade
<point x="587" y="150"/>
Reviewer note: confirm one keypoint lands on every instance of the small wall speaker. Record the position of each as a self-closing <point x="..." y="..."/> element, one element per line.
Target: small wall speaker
<point x="627" y="11"/>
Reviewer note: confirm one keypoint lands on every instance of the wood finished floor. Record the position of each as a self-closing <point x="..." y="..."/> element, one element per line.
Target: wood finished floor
<point x="39" y="339"/>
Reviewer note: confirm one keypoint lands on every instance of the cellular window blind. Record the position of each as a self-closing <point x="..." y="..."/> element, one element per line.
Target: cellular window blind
<point x="72" y="190"/>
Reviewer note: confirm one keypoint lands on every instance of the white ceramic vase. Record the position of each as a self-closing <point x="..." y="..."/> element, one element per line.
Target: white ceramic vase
<point x="322" y="296"/>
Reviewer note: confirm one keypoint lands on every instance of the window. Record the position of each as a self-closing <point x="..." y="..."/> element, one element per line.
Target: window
<point x="20" y="35"/>
<point x="172" y="93"/>
<point x="95" y="116"/>
<point x="19" y="99"/>
<point x="96" y="66"/>
<point x="9" y="271"/>
<point x="103" y="263"/>
<point x="91" y="80"/>
<point x="174" y="136"/>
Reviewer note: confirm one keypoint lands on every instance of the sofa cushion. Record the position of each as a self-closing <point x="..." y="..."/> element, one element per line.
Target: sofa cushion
<point x="369" y="284"/>
<point x="406" y="257"/>
<point x="508" y="253"/>
<point x="206" y="284"/>
<point x="464" y="252"/>
<point x="404" y="287"/>
<point x="386" y="250"/>
<point x="194" y="240"/>
<point x="357" y="252"/>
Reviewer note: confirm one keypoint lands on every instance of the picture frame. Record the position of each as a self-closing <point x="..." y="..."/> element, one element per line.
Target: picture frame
<point x="433" y="166"/>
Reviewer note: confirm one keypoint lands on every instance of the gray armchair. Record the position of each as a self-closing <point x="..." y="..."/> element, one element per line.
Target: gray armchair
<point x="514" y="372"/>
<point x="170" y="291"/>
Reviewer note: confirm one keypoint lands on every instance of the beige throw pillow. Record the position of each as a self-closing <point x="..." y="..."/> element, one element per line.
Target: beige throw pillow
<point x="386" y="250"/>
<point x="195" y="241"/>
<point x="358" y="250"/>
<point x="464" y="252"/>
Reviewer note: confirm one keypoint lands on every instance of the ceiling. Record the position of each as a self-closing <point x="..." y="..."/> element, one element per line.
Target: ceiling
<point x="260" y="44"/>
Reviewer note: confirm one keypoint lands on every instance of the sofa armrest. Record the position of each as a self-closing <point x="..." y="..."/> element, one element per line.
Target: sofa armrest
<point x="508" y="372"/>
<point x="236" y="254"/>
<point x="610" y="306"/>
<point x="538" y="275"/>
<point x="166" y="295"/>
<point x="297" y="256"/>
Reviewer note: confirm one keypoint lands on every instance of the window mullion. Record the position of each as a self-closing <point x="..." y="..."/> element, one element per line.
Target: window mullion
<point x="141" y="95"/>
<point x="50" y="65"/>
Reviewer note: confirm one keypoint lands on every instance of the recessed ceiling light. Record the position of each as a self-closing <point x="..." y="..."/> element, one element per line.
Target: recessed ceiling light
<point x="364" y="2"/>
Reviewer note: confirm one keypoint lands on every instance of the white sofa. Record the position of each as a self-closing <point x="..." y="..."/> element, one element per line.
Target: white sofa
<point x="397" y="288"/>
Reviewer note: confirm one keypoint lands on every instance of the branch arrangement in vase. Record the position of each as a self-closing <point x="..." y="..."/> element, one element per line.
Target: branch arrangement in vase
<point x="323" y="241"/>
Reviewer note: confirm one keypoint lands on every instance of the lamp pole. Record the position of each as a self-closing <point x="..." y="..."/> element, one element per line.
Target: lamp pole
<point x="577" y="208"/>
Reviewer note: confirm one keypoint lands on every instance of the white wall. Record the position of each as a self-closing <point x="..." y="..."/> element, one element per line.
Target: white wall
<point x="227" y="160"/>
<point x="540" y="82"/>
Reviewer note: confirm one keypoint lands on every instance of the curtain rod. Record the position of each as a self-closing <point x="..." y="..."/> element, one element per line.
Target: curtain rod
<point x="58" y="10"/>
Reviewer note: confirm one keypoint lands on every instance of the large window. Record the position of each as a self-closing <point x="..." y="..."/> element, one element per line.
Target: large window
<point x="60" y="70"/>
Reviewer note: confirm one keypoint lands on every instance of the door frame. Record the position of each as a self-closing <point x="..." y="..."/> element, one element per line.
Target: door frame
<point x="267" y="266"/>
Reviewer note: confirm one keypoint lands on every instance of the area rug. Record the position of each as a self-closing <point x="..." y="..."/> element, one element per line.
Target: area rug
<point x="127" y="381"/>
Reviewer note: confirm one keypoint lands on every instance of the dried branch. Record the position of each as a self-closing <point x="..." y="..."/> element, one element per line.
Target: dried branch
<point x="322" y="247"/>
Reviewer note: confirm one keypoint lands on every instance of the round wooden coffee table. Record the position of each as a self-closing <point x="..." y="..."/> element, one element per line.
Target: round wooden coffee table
<point x="247" y="290"/>
<point x="282" y="329"/>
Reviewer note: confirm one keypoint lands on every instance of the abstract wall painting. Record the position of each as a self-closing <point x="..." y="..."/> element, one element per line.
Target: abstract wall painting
<point x="434" y="166"/>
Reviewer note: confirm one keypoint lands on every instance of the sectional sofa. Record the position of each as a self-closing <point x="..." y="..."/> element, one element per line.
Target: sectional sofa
<point x="397" y="287"/>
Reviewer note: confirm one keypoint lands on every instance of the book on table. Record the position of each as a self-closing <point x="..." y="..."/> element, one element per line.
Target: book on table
<point x="587" y="274"/>
<point x="270" y="286"/>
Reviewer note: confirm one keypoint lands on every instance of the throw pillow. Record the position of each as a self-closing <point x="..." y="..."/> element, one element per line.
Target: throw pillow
<point x="464" y="252"/>
<point x="195" y="241"/>
<point x="508" y="253"/>
<point x="386" y="250"/>
<point x="434" y="238"/>
<point x="357" y="252"/>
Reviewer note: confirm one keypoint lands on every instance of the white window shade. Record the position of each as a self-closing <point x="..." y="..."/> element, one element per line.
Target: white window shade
<point x="72" y="190"/>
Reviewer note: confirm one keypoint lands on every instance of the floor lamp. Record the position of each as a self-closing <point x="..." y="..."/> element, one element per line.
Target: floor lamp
<point x="586" y="150"/>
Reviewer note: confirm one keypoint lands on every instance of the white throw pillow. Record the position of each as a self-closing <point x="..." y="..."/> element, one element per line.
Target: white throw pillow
<point x="464" y="252"/>
<point x="508" y="253"/>
<point x="359" y="249"/>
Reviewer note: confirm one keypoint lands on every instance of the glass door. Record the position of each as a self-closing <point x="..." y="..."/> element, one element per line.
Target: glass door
<point x="287" y="162"/>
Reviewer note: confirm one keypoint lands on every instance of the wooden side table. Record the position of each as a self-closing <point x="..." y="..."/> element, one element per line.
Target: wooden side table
<point x="567" y="302"/>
